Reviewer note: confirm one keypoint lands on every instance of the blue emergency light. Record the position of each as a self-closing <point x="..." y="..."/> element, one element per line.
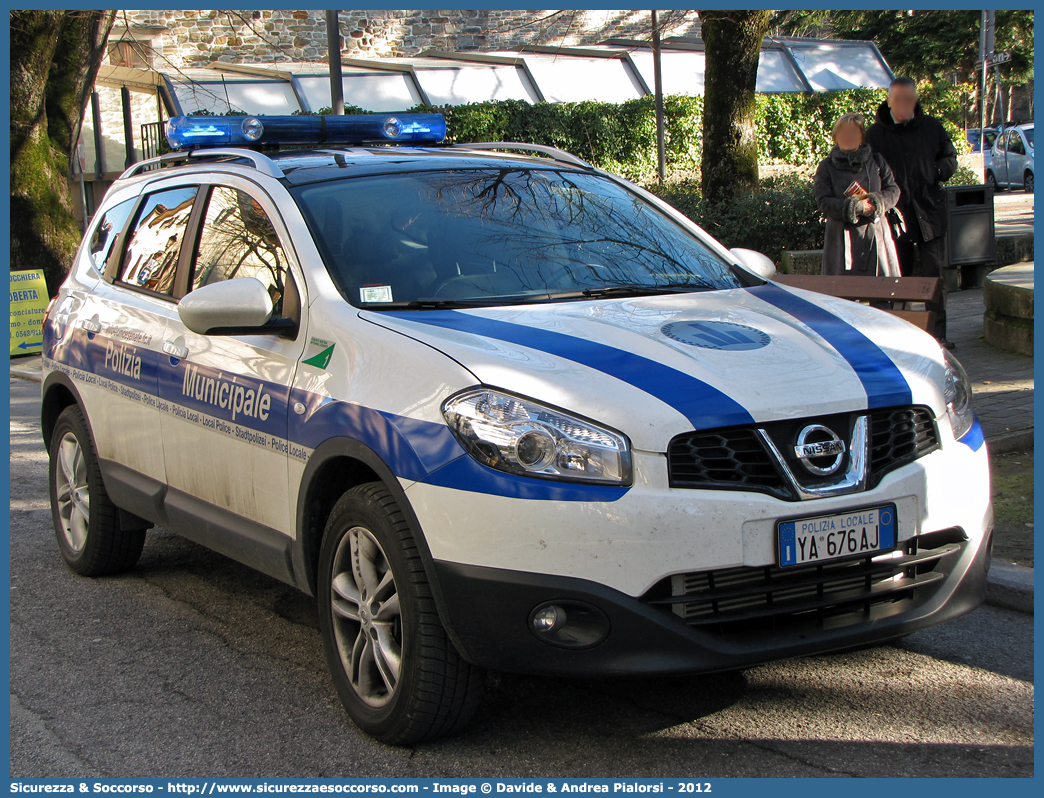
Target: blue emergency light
<point x="245" y="131"/>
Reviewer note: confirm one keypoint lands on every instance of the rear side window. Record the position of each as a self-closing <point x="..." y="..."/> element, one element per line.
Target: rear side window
<point x="150" y="260"/>
<point x="239" y="240"/>
<point x="107" y="231"/>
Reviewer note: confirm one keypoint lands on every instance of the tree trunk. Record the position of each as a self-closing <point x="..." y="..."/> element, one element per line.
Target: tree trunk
<point x="730" y="146"/>
<point x="55" y="57"/>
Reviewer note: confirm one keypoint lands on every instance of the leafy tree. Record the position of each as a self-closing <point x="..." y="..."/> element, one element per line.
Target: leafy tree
<point x="55" y="57"/>
<point x="730" y="144"/>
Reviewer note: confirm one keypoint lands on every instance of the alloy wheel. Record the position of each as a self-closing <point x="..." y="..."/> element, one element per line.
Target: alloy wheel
<point x="367" y="618"/>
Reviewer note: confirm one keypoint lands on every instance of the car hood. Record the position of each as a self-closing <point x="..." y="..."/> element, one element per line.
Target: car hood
<point x="654" y="367"/>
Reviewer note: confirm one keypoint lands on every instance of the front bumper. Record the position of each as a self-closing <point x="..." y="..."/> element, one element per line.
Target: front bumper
<point x="490" y="610"/>
<point x="636" y="561"/>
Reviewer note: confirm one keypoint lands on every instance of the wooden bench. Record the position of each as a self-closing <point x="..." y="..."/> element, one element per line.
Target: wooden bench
<point x="901" y="292"/>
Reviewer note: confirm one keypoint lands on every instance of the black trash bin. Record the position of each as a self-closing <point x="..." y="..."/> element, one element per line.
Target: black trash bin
<point x="971" y="240"/>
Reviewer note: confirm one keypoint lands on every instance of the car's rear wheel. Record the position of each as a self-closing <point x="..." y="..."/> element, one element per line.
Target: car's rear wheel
<point x="991" y="181"/>
<point x="86" y="522"/>
<point x="1027" y="182"/>
<point x="394" y="667"/>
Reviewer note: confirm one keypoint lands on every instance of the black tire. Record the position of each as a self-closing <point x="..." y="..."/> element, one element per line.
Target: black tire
<point x="90" y="538"/>
<point x="991" y="181"/>
<point x="435" y="692"/>
<point x="1027" y="182"/>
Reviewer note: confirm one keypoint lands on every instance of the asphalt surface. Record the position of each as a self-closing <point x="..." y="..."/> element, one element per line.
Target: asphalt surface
<point x="194" y="666"/>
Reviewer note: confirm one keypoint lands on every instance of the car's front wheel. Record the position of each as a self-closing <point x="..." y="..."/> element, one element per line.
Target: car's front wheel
<point x="86" y="523"/>
<point x="1027" y="182"/>
<point x="394" y="667"/>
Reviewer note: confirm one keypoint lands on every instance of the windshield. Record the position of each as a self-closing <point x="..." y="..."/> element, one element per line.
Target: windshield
<point x="500" y="236"/>
<point x="1028" y="133"/>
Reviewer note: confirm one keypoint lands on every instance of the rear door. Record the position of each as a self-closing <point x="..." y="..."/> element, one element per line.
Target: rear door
<point x="123" y="326"/>
<point x="225" y="446"/>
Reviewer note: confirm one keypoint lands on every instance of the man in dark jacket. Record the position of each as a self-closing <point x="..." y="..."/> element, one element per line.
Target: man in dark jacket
<point x="921" y="155"/>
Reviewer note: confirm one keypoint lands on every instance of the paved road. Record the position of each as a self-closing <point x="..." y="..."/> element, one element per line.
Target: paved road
<point x="194" y="666"/>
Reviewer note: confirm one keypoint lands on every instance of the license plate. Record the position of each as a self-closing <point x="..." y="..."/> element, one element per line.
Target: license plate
<point x="830" y="537"/>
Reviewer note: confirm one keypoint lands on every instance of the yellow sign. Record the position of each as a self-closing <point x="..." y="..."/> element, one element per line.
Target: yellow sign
<point x="28" y="306"/>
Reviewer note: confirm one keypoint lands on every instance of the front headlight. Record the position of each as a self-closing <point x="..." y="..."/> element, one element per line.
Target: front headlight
<point x="521" y="436"/>
<point x="958" y="393"/>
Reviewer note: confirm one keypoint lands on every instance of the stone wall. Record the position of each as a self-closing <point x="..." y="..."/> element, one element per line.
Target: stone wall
<point x="177" y="39"/>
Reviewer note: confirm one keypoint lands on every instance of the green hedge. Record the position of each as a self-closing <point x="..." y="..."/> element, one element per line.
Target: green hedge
<point x="618" y="137"/>
<point x="792" y="128"/>
<point x="780" y="215"/>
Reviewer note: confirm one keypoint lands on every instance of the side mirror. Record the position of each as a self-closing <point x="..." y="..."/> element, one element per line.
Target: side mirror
<point x="241" y="305"/>
<point x="755" y="262"/>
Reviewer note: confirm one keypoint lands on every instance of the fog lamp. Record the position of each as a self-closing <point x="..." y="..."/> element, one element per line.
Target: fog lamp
<point x="569" y="624"/>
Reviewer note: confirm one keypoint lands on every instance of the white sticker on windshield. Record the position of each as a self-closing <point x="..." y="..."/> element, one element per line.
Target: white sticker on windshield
<point x="375" y="293"/>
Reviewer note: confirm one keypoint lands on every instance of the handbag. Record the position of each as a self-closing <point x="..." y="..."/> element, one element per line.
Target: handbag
<point x="897" y="223"/>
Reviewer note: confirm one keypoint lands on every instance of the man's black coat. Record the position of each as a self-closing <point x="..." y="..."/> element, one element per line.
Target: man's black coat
<point x="921" y="156"/>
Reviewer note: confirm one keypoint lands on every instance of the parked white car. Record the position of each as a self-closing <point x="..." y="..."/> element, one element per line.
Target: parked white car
<point x="497" y="410"/>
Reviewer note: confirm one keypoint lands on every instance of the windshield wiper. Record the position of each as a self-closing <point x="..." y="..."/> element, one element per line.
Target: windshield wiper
<point x="635" y="289"/>
<point x="431" y="303"/>
<point x="642" y="289"/>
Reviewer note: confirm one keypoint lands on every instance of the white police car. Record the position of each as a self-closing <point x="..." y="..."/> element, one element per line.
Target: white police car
<point x="497" y="410"/>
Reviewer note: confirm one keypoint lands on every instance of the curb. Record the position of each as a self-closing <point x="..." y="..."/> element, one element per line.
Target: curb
<point x="1010" y="586"/>
<point x="1018" y="441"/>
<point x="27" y="372"/>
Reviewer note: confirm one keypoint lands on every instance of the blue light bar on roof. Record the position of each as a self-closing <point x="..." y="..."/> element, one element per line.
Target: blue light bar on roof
<point x="231" y="131"/>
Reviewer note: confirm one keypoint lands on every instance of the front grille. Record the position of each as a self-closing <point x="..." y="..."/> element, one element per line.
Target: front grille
<point x="899" y="436"/>
<point x="730" y="459"/>
<point x="736" y="458"/>
<point x="755" y="600"/>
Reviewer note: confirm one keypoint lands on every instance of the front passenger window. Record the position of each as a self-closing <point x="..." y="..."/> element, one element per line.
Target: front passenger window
<point x="239" y="240"/>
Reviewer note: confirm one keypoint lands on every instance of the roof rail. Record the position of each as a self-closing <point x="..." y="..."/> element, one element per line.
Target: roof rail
<point x="261" y="162"/>
<point x="552" y="152"/>
<point x="134" y="169"/>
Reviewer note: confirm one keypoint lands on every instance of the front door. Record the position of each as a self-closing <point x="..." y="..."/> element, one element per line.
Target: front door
<point x="1016" y="158"/>
<point x="225" y="444"/>
<point x="1000" y="159"/>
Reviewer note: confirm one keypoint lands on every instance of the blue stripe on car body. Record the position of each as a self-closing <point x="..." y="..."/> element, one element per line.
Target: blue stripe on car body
<point x="704" y="405"/>
<point x="973" y="438"/>
<point x="417" y="450"/>
<point x="882" y="380"/>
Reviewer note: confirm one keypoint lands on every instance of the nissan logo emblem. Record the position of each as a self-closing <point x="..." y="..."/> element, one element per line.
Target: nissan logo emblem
<point x="820" y="450"/>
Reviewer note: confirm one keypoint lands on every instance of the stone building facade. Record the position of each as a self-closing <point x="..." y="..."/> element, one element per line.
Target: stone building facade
<point x="167" y="40"/>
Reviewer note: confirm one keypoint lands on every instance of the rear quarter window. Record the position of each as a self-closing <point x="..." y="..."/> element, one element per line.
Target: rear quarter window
<point x="150" y="259"/>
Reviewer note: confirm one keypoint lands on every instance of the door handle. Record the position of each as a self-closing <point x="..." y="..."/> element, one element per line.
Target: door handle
<point x="90" y="325"/>
<point x="172" y="349"/>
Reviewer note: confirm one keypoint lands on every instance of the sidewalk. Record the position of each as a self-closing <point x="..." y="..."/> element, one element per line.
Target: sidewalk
<point x="1012" y="213"/>
<point x="1002" y="382"/>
